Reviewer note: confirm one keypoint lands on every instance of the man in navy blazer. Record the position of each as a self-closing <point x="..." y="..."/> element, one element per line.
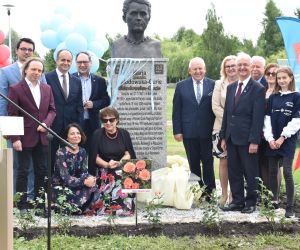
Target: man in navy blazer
<point x="258" y="64"/>
<point x="12" y="75"/>
<point x="193" y="121"/>
<point x="37" y="100"/>
<point x="67" y="94"/>
<point x="241" y="133"/>
<point x="94" y="95"/>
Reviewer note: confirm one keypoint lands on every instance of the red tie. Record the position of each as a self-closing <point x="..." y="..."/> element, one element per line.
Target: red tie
<point x="238" y="93"/>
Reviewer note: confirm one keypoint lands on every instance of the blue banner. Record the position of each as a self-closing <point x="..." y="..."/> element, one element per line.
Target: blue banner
<point x="290" y="30"/>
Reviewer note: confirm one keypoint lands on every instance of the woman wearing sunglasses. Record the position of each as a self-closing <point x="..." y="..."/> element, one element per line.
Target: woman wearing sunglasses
<point x="270" y="76"/>
<point x="111" y="144"/>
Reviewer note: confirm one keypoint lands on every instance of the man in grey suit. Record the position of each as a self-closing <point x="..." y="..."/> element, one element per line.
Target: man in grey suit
<point x="9" y="76"/>
<point x="241" y="133"/>
<point x="67" y="94"/>
<point x="193" y="121"/>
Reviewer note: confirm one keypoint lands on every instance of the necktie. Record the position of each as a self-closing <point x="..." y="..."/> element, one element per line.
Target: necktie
<point x="64" y="86"/>
<point x="238" y="93"/>
<point x="198" y="94"/>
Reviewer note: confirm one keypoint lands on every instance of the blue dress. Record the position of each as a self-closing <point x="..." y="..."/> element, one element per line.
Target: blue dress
<point x="282" y="109"/>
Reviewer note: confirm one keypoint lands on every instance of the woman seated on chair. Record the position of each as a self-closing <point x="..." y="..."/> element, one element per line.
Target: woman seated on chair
<point x="71" y="172"/>
<point x="110" y="145"/>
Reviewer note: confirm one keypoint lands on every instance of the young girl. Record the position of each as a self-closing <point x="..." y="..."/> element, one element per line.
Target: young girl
<point x="282" y="123"/>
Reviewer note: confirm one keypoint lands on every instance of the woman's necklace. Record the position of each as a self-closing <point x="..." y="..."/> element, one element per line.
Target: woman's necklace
<point x="112" y="136"/>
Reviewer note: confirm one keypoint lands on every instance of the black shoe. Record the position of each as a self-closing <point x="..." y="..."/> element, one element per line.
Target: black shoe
<point x="275" y="205"/>
<point x="289" y="212"/>
<point x="248" y="209"/>
<point x="233" y="207"/>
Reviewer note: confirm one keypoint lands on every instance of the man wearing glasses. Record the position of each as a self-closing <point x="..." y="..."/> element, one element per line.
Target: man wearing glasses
<point x="241" y="134"/>
<point x="94" y="95"/>
<point x="9" y="76"/>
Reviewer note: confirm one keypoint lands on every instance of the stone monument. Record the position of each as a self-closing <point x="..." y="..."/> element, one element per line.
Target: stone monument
<point x="136" y="13"/>
<point x="137" y="77"/>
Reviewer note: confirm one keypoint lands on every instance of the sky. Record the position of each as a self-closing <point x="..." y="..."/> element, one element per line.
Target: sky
<point x="240" y="18"/>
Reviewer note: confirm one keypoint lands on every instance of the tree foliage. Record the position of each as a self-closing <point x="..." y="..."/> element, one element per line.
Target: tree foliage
<point x="270" y="39"/>
<point x="15" y="37"/>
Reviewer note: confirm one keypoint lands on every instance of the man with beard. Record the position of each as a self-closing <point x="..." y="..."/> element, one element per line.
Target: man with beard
<point x="136" y="13"/>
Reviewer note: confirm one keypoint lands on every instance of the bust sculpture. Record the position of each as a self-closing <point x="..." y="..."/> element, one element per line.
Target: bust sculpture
<point x="136" y="13"/>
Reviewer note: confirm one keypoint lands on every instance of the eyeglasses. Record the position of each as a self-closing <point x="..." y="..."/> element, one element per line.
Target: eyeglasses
<point x="111" y="120"/>
<point x="82" y="62"/>
<point x="230" y="66"/>
<point x="271" y="74"/>
<point x="26" y="50"/>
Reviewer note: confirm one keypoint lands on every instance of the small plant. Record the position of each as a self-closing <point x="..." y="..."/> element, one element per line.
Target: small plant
<point x="211" y="216"/>
<point x="27" y="217"/>
<point x="64" y="209"/>
<point x="152" y="210"/>
<point x="266" y="207"/>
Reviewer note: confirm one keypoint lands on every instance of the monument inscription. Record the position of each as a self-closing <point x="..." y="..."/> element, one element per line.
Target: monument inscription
<point x="141" y="102"/>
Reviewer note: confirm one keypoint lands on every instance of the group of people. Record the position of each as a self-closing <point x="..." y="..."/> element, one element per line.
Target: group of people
<point x="253" y="114"/>
<point x="69" y="104"/>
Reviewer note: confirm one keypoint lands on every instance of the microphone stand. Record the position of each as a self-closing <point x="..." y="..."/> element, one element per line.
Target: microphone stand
<point x="50" y="136"/>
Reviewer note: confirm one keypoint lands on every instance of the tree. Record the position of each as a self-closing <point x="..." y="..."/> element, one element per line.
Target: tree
<point x="49" y="62"/>
<point x="270" y="39"/>
<point x="216" y="45"/>
<point x="15" y="37"/>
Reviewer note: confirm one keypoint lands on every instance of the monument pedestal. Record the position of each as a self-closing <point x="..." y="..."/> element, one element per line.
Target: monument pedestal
<point x="6" y="199"/>
<point x="139" y="93"/>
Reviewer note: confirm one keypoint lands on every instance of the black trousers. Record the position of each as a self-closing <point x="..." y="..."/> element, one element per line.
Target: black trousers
<point x="38" y="154"/>
<point x="88" y="131"/>
<point x="199" y="151"/>
<point x="242" y="165"/>
<point x="287" y="163"/>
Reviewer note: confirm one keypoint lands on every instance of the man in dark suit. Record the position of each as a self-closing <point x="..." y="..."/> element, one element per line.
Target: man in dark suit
<point x="94" y="95"/>
<point x="258" y="64"/>
<point x="193" y="121"/>
<point x="37" y="99"/>
<point x="241" y="133"/>
<point x="67" y="94"/>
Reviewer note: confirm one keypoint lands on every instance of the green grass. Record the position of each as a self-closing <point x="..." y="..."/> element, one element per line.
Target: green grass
<point x="162" y="242"/>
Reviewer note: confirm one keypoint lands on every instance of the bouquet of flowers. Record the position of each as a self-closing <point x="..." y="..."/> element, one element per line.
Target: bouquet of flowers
<point x="136" y="174"/>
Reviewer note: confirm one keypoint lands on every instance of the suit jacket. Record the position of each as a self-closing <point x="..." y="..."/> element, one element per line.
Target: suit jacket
<point x="190" y="118"/>
<point x="8" y="76"/>
<point x="21" y="95"/>
<point x="243" y="122"/>
<point x="99" y="97"/>
<point x="264" y="82"/>
<point x="67" y="110"/>
<point x="218" y="103"/>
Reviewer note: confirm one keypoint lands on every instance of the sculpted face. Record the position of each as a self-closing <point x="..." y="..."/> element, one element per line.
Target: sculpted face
<point x="137" y="17"/>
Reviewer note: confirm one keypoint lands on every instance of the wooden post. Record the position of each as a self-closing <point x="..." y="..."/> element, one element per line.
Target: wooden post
<point x="6" y="199"/>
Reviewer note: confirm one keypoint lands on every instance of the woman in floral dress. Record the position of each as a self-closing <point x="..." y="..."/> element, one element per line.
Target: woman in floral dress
<point x="70" y="171"/>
